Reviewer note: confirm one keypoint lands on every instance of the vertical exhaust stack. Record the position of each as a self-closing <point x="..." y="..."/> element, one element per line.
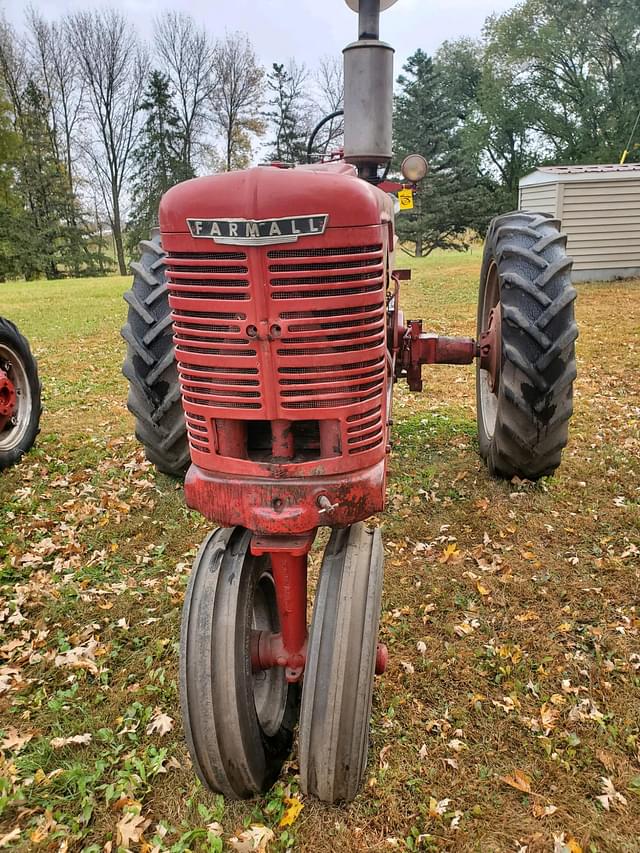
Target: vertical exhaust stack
<point x="368" y="93"/>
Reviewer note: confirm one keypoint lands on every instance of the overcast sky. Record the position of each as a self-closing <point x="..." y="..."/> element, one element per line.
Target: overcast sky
<point x="304" y="29"/>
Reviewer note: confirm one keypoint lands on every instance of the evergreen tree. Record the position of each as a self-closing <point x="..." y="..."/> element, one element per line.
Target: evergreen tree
<point x="451" y="200"/>
<point x="9" y="207"/>
<point x="50" y="237"/>
<point x="158" y="158"/>
<point x="287" y="113"/>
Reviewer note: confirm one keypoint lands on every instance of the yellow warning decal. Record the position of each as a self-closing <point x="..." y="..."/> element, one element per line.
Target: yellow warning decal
<point x="405" y="197"/>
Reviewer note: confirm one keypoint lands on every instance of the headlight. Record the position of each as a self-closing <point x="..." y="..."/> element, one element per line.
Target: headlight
<point x="414" y="168"/>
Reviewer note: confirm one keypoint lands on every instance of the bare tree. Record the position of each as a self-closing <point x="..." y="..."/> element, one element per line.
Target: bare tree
<point x="187" y="57"/>
<point x="57" y="70"/>
<point x="328" y="99"/>
<point x="237" y="97"/>
<point x="113" y="68"/>
<point x="14" y="67"/>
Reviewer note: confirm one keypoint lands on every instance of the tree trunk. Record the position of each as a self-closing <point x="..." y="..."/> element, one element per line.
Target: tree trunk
<point x="117" y="234"/>
<point x="418" y="247"/>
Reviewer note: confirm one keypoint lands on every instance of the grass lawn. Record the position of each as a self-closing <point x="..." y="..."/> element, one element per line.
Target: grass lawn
<point x="509" y="716"/>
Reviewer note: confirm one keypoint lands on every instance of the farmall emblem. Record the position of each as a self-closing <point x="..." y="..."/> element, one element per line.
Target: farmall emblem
<point x="264" y="232"/>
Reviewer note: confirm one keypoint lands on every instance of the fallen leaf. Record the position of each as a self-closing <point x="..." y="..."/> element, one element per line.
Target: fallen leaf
<point x="450" y="553"/>
<point x="14" y="741"/>
<point x="610" y="797"/>
<point x="10" y="836"/>
<point x="130" y="829"/>
<point x="160" y="723"/>
<point x="437" y="808"/>
<point x="256" y="838"/>
<point x="540" y="810"/>
<point x="519" y="780"/>
<point x="293" y="808"/>
<point x="59" y="742"/>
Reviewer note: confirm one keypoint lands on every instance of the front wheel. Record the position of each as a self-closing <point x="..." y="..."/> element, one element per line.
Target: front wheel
<point x="20" y="406"/>
<point x="341" y="662"/>
<point x="527" y="333"/>
<point x="238" y="723"/>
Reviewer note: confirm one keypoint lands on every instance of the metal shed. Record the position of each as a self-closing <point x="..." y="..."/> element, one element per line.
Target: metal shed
<point x="599" y="207"/>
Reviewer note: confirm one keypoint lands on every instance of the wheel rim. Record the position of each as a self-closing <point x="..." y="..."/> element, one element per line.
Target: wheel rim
<point x="15" y="429"/>
<point x="270" y="686"/>
<point x="490" y="387"/>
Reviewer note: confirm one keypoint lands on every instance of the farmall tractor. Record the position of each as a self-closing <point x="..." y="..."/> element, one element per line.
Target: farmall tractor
<point x="20" y="406"/>
<point x="279" y="290"/>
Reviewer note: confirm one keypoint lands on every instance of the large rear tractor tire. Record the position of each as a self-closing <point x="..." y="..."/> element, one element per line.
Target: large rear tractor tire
<point x="527" y="333"/>
<point x="20" y="396"/>
<point x="150" y="365"/>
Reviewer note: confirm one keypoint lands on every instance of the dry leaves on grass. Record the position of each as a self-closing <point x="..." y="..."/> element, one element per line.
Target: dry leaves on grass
<point x="59" y="742"/>
<point x="160" y="723"/>
<point x="294" y="806"/>
<point x="10" y="836"/>
<point x="130" y="829"/>
<point x="610" y="798"/>
<point x="256" y="839"/>
<point x="518" y="780"/>
<point x="14" y="741"/>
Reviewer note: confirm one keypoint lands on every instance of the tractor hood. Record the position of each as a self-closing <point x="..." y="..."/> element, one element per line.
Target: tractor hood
<point x="269" y="193"/>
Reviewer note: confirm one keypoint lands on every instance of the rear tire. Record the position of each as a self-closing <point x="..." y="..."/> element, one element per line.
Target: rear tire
<point x="150" y="365"/>
<point x="338" y="679"/>
<point x="18" y="435"/>
<point x="523" y="422"/>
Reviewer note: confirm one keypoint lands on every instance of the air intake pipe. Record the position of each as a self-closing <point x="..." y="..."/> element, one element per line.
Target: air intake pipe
<point x="368" y="92"/>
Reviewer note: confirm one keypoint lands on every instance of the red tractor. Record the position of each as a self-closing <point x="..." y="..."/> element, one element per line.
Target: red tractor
<point x="20" y="406"/>
<point x="284" y="310"/>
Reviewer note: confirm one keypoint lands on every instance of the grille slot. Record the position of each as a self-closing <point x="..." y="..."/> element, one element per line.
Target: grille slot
<point x="206" y="256"/>
<point x="324" y="253"/>
<point x="323" y="294"/>
<point x="324" y="279"/>
<point x="330" y="312"/>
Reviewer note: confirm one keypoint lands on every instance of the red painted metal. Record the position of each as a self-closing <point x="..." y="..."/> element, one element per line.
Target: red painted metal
<point x="8" y="399"/>
<point x="290" y="576"/>
<point x="420" y="348"/>
<point x="282" y="350"/>
<point x="382" y="658"/>
<point x="286" y="506"/>
<point x="490" y="346"/>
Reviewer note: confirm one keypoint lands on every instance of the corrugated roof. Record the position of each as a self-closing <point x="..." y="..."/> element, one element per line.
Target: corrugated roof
<point x="581" y="170"/>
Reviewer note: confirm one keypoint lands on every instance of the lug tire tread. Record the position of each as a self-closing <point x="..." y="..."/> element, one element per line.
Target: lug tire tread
<point x="539" y="334"/>
<point x="150" y="366"/>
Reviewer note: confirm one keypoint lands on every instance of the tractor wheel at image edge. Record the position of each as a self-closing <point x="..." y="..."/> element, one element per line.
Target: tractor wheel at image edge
<point x="339" y="674"/>
<point x="150" y="365"/>
<point x="20" y="396"/>
<point x="526" y="310"/>
<point x="239" y="724"/>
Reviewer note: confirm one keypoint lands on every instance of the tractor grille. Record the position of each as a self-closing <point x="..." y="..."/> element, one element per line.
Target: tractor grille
<point x="211" y="298"/>
<point x="334" y="356"/>
<point x="328" y="351"/>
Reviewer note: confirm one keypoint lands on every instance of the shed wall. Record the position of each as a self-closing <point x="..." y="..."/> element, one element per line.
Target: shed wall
<point x="542" y="198"/>
<point x="602" y="222"/>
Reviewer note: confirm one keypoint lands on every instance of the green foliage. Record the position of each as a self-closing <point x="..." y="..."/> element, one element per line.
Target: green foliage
<point x="43" y="231"/>
<point x="453" y="199"/>
<point x="286" y="114"/>
<point x="578" y="66"/>
<point x="158" y="158"/>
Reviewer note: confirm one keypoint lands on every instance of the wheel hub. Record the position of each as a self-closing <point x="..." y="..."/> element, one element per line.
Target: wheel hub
<point x="491" y="348"/>
<point x="8" y="398"/>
